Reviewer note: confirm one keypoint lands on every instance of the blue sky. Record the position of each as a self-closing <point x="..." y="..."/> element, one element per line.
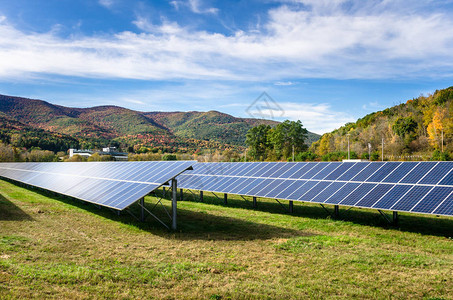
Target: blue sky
<point x="323" y="62"/>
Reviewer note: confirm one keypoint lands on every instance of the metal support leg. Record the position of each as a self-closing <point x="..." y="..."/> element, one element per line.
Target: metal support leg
<point x="181" y="195"/>
<point x="225" y="198"/>
<point x="254" y="203"/>
<point x="174" y="203"/>
<point x="201" y="196"/>
<point x="395" y="218"/>
<point x="142" y="210"/>
<point x="291" y="207"/>
<point x="336" y="211"/>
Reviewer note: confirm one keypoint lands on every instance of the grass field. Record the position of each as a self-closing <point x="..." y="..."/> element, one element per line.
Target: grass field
<point x="52" y="247"/>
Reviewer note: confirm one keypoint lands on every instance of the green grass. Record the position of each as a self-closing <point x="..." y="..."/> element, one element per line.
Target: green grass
<point x="53" y="247"/>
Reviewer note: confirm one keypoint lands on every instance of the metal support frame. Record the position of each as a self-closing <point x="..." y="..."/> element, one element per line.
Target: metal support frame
<point x="174" y="208"/>
<point x="255" y="205"/>
<point x="201" y="196"/>
<point x="336" y="211"/>
<point x="181" y="195"/>
<point x="225" y="198"/>
<point x="283" y="206"/>
<point x="142" y="210"/>
<point x="215" y="195"/>
<point x="174" y="201"/>
<point x="395" y="218"/>
<point x="244" y="198"/>
<point x="291" y="207"/>
<point x="193" y="194"/>
<point x="393" y="221"/>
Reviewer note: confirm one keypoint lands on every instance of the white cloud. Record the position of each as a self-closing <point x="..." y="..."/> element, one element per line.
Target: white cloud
<point x="195" y="6"/>
<point x="285" y="83"/>
<point x="318" y="118"/>
<point x="374" y="105"/>
<point x="344" y="40"/>
<point x="107" y="3"/>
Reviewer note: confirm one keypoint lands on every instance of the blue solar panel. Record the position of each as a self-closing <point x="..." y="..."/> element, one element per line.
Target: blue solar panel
<point x="283" y="170"/>
<point x="418" y="172"/>
<point x="357" y="194"/>
<point x="353" y="171"/>
<point x="372" y="197"/>
<point x="408" y="201"/>
<point x="448" y="179"/>
<point x="270" y="187"/>
<point x="328" y="191"/>
<point x="327" y="170"/>
<point x="367" y="171"/>
<point x="379" y="185"/>
<point x="339" y="171"/>
<point x="286" y="189"/>
<point x="246" y="168"/>
<point x="301" y="190"/>
<point x="258" y="170"/>
<point x="446" y="207"/>
<point x="437" y="173"/>
<point x="433" y="199"/>
<point x="313" y="192"/>
<point x="243" y="183"/>
<point x="343" y="192"/>
<point x="291" y="171"/>
<point x="270" y="169"/>
<point x="258" y="186"/>
<point x="392" y="196"/>
<point x="401" y="171"/>
<point x="313" y="171"/>
<point x="386" y="170"/>
<point x="113" y="184"/>
<point x="304" y="168"/>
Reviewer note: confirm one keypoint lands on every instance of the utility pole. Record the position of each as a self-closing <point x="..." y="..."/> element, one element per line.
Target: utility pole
<point x="369" y="151"/>
<point x="442" y="140"/>
<point x="293" y="152"/>
<point x="382" y="158"/>
<point x="348" y="145"/>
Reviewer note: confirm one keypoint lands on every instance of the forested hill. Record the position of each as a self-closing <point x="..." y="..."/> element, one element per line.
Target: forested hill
<point x="414" y="128"/>
<point x="98" y="126"/>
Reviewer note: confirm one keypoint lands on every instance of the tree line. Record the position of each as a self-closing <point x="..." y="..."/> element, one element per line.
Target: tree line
<point x="276" y="143"/>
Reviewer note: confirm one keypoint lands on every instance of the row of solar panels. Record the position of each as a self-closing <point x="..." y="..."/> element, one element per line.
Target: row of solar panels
<point x="111" y="184"/>
<point x="424" y="187"/>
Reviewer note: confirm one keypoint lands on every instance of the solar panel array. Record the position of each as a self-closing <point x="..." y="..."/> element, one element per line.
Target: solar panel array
<point x="112" y="184"/>
<point x="422" y="187"/>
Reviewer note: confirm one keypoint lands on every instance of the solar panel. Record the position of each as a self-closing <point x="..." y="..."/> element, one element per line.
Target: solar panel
<point x="422" y="187"/>
<point x="112" y="184"/>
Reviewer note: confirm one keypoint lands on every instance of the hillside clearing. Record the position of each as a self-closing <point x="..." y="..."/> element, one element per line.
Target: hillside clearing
<point x="51" y="247"/>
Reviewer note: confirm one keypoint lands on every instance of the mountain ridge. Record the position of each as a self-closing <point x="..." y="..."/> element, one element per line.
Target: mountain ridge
<point x="110" y="123"/>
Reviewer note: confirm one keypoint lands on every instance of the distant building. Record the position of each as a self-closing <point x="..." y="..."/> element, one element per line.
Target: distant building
<point x="84" y="153"/>
<point x="118" y="156"/>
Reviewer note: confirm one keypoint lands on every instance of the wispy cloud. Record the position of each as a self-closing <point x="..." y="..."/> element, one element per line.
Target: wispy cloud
<point x="322" y="39"/>
<point x="107" y="3"/>
<point x="285" y="83"/>
<point x="318" y="118"/>
<point x="195" y="6"/>
<point x="374" y="105"/>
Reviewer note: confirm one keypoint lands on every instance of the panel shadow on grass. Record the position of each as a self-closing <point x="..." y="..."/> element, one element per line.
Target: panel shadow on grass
<point x="11" y="212"/>
<point x="417" y="223"/>
<point x="199" y="225"/>
<point x="192" y="225"/>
